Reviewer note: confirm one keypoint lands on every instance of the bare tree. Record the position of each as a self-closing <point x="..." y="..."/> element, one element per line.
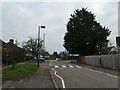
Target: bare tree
<point x="17" y="42"/>
<point x="111" y="43"/>
<point x="32" y="46"/>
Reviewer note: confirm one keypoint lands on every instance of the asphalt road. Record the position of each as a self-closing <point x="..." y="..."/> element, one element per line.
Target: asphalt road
<point x="68" y="75"/>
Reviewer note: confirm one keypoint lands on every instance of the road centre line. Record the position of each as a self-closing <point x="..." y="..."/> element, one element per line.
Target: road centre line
<point x="63" y="83"/>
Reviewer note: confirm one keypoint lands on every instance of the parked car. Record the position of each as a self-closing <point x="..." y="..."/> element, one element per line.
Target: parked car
<point x="42" y="59"/>
<point x="57" y="59"/>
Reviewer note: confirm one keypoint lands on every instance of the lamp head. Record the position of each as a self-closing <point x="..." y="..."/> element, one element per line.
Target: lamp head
<point x="42" y="26"/>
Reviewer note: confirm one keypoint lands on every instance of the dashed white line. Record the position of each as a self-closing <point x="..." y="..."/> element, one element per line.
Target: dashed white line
<point x="56" y="66"/>
<point x="70" y="66"/>
<point x="78" y="66"/>
<point x="64" y="66"/>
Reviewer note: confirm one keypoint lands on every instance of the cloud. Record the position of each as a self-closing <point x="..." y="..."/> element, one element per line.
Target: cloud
<point x="119" y="18"/>
<point x="58" y="0"/>
<point x="21" y="20"/>
<point x="24" y="10"/>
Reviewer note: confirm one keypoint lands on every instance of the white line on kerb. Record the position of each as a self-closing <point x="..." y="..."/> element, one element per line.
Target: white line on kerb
<point x="103" y="73"/>
<point x="63" y="83"/>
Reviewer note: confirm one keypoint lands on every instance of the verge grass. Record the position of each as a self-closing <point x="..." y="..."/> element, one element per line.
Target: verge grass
<point x="19" y="72"/>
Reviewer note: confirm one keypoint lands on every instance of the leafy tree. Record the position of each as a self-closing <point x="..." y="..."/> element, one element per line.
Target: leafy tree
<point x="32" y="46"/>
<point x="85" y="35"/>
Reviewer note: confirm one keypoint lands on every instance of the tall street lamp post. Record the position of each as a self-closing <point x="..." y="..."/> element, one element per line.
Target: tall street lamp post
<point x="38" y="56"/>
<point x="44" y="42"/>
<point x="43" y="45"/>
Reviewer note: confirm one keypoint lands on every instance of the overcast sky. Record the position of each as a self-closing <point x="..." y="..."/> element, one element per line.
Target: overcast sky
<point x="20" y="20"/>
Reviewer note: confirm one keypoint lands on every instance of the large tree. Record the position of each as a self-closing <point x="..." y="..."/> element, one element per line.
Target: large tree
<point x="85" y="35"/>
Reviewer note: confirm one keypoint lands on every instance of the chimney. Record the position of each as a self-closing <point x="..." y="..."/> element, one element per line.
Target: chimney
<point x="11" y="41"/>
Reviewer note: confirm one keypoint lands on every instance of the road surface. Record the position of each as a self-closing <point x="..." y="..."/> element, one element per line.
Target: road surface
<point x="67" y="75"/>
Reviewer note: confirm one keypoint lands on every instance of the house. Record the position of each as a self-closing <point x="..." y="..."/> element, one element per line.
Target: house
<point x="114" y="50"/>
<point x="11" y="53"/>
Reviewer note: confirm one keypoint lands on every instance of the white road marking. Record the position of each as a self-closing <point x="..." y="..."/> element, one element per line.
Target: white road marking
<point x="102" y="72"/>
<point x="50" y="64"/>
<point x="70" y="66"/>
<point x="54" y="80"/>
<point x="63" y="83"/>
<point x="64" y="66"/>
<point x="53" y="77"/>
<point x="56" y="66"/>
<point x="78" y="66"/>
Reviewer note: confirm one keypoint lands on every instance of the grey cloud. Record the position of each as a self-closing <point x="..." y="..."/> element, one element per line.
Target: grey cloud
<point x="21" y="20"/>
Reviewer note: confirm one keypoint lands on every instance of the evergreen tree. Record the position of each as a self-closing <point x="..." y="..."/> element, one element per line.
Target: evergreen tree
<point x="85" y="35"/>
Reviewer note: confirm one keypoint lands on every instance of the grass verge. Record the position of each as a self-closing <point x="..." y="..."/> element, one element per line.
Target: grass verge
<point x="19" y="72"/>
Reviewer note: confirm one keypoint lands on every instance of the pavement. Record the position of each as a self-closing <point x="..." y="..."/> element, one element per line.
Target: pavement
<point x="41" y="79"/>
